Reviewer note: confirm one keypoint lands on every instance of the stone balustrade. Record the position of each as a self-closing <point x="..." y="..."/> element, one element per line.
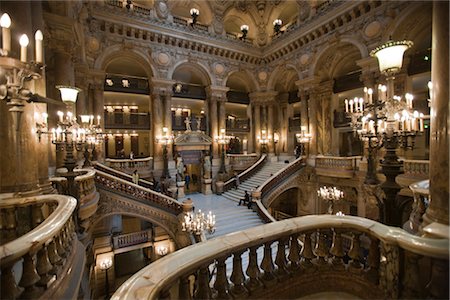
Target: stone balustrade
<point x="122" y="175"/>
<point x="310" y="258"/>
<point x="413" y="171"/>
<point x="335" y="166"/>
<point x="137" y="192"/>
<point x="41" y="249"/>
<point x="88" y="197"/>
<point x="246" y="174"/>
<point x="130" y="239"/>
<point x="239" y="162"/>
<point x="144" y="166"/>
<point x="421" y="195"/>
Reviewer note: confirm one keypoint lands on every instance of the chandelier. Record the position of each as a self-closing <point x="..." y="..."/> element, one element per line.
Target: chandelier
<point x="196" y="223"/>
<point x="330" y="194"/>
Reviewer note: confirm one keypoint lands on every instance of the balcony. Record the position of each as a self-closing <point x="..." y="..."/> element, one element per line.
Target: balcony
<point x="134" y="121"/>
<point x="126" y="84"/>
<point x="294" y="124"/>
<point x="238" y="125"/>
<point x="335" y="166"/>
<point x="178" y="123"/>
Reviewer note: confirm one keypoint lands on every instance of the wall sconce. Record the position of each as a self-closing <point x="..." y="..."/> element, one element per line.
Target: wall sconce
<point x="277" y="26"/>
<point x="68" y="93"/>
<point x="162" y="250"/>
<point x="194" y="14"/>
<point x="244" y="30"/>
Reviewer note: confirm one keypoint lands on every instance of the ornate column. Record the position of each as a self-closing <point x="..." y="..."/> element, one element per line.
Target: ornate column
<point x="439" y="135"/>
<point x="214" y="95"/>
<point x="99" y="103"/>
<point x="257" y="125"/>
<point x="323" y="115"/>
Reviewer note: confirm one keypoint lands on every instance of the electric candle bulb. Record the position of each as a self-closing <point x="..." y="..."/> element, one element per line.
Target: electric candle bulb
<point x="5" y="23"/>
<point x="23" y="47"/>
<point x="38" y="37"/>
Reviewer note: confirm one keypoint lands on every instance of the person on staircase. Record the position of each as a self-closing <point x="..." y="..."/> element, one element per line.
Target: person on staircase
<point x="246" y="199"/>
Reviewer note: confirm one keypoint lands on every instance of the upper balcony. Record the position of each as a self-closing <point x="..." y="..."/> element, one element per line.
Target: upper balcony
<point x="132" y="120"/>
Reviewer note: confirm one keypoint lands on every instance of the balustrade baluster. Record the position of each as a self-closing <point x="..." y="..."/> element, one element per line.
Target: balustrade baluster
<point x="36" y="214"/>
<point x="355" y="253"/>
<point x="43" y="266"/>
<point x="11" y="221"/>
<point x="203" y="290"/>
<point x="294" y="254"/>
<point x="411" y="281"/>
<point x="320" y="250"/>
<point x="373" y="261"/>
<point x="307" y="254"/>
<point x="280" y="259"/>
<point x="29" y="278"/>
<point x="237" y="277"/>
<point x="337" y="250"/>
<point x="66" y="239"/>
<point x="184" y="290"/>
<point x="55" y="259"/>
<point x="267" y="266"/>
<point x="253" y="271"/>
<point x="221" y="284"/>
<point x="10" y="290"/>
<point x="59" y="247"/>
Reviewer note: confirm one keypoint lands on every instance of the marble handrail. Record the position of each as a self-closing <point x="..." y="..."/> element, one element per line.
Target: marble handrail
<point x="122" y="175"/>
<point x="245" y="174"/>
<point x="416" y="167"/>
<point x="41" y="252"/>
<point x="242" y="161"/>
<point x="140" y="193"/>
<point x="380" y="270"/>
<point x="336" y="166"/>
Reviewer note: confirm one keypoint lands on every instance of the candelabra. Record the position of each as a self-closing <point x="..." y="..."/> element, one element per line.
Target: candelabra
<point x="330" y="194"/>
<point x="244" y="30"/>
<point x="223" y="140"/>
<point x="105" y="265"/>
<point x="264" y="140"/>
<point x="386" y="121"/>
<point x="304" y="137"/>
<point x="165" y="139"/>
<point x="277" y="26"/>
<point x="196" y="223"/>
<point x="194" y="14"/>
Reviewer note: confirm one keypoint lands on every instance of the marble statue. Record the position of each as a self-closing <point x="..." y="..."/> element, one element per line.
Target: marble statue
<point x="180" y="168"/>
<point x="188" y="124"/>
<point x="207" y="167"/>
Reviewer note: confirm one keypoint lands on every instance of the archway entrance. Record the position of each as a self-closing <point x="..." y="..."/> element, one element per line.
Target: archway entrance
<point x="192" y="147"/>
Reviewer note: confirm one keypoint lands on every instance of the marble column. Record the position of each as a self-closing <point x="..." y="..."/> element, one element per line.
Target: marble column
<point x="439" y="135"/>
<point x="250" y="136"/>
<point x="270" y="131"/>
<point x="168" y="117"/>
<point x="99" y="103"/>
<point x="214" y="125"/>
<point x="257" y="125"/>
<point x="215" y="95"/>
<point x="157" y="118"/>
<point x="222" y="113"/>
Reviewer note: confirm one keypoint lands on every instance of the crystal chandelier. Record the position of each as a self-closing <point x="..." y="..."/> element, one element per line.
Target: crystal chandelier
<point x="330" y="194"/>
<point x="196" y="223"/>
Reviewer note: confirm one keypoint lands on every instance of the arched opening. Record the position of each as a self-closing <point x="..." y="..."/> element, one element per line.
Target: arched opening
<point x="285" y="205"/>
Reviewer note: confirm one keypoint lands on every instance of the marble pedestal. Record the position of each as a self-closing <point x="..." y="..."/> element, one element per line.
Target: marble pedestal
<point x="180" y="185"/>
<point x="206" y="186"/>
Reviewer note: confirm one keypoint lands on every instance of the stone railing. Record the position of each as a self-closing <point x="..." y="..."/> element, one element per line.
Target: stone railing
<point x="88" y="197"/>
<point x="421" y="194"/>
<point x="137" y="192"/>
<point x="310" y="258"/>
<point x="240" y="162"/>
<point x="122" y="175"/>
<point x="130" y="239"/>
<point x="413" y="171"/>
<point x="246" y="174"/>
<point x="261" y="193"/>
<point x="44" y="252"/>
<point x="144" y="166"/>
<point x="335" y="166"/>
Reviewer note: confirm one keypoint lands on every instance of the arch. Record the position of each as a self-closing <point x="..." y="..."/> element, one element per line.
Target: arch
<point x="277" y="73"/>
<point x="250" y="80"/>
<point x="233" y="19"/>
<point x="117" y="51"/>
<point x="181" y="9"/>
<point x="205" y="75"/>
<point x="329" y="58"/>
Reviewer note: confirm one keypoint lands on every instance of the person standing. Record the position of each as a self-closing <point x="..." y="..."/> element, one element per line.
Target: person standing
<point x="236" y="180"/>
<point x="187" y="180"/>
<point x="135" y="177"/>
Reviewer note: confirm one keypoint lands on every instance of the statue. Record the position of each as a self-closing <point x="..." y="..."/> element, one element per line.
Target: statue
<point x="199" y="122"/>
<point x="180" y="169"/>
<point x="188" y="124"/>
<point x="207" y="167"/>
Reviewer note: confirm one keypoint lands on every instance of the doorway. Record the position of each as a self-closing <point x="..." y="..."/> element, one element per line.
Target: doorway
<point x="195" y="182"/>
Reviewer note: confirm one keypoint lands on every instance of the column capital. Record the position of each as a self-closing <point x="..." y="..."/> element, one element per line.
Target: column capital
<point x="161" y="86"/>
<point x="218" y="93"/>
<point x="263" y="97"/>
<point x="307" y="83"/>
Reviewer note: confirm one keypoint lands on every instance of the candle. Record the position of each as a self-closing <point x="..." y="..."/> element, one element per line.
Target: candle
<point x="45" y="117"/>
<point x="370" y="92"/>
<point x="23" y="47"/>
<point x="421" y="123"/>
<point x="60" y="115"/>
<point x="351" y="105"/>
<point x="5" y="23"/>
<point x="92" y="120"/>
<point x="38" y="38"/>
<point x="365" y="94"/>
<point x="361" y="105"/>
<point x="346" y="105"/>
<point x="98" y="120"/>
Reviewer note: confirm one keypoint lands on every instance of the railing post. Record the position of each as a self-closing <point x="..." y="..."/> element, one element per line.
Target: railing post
<point x="354" y="253"/>
<point x="337" y="250"/>
<point x="389" y="270"/>
<point x="307" y="254"/>
<point x="373" y="261"/>
<point x="43" y="266"/>
<point x="410" y="281"/>
<point x="237" y="277"/>
<point x="267" y="266"/>
<point x="280" y="259"/>
<point x="253" y="271"/>
<point x="184" y="291"/>
<point x="222" y="285"/>
<point x="29" y="278"/>
<point x="203" y="290"/>
<point x="320" y="250"/>
<point x="294" y="254"/>
<point x="10" y="290"/>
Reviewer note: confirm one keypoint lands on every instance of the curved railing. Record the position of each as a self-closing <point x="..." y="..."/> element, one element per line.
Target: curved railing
<point x="231" y="183"/>
<point x="369" y="268"/>
<point x="120" y="186"/>
<point x="44" y="253"/>
<point x="122" y="175"/>
<point x="264" y="189"/>
<point x="144" y="166"/>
